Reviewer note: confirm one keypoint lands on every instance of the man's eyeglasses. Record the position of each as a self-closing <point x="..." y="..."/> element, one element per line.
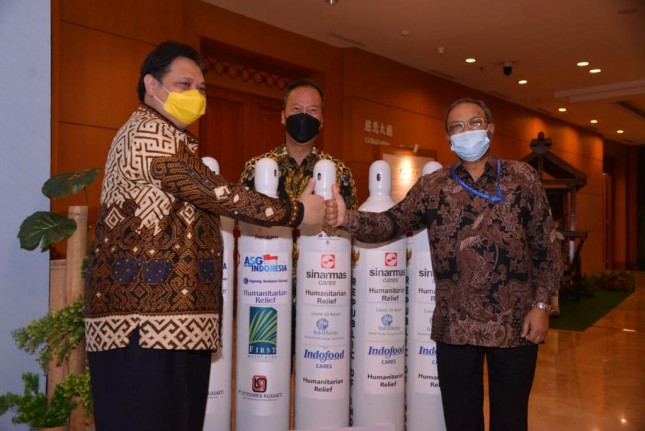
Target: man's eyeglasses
<point x="472" y="124"/>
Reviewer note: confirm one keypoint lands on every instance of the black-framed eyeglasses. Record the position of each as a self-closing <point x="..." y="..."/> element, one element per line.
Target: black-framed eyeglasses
<point x="475" y="123"/>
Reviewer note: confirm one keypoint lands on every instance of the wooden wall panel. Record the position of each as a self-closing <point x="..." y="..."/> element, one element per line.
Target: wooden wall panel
<point x="224" y="125"/>
<point x="85" y="147"/>
<point x="395" y="127"/>
<point x="377" y="79"/>
<point x="235" y="30"/>
<point x="98" y="76"/>
<point x="270" y="130"/>
<point x="150" y="21"/>
<point x="237" y="127"/>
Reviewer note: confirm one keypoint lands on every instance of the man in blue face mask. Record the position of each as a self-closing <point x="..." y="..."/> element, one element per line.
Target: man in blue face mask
<point x="496" y="263"/>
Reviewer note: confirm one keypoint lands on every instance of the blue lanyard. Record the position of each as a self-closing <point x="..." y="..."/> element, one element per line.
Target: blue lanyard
<point x="498" y="198"/>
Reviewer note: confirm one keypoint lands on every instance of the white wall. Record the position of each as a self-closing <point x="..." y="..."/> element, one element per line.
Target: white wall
<point x="25" y="160"/>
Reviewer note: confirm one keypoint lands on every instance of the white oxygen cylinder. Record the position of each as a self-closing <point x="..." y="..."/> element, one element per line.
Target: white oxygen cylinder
<point x="264" y="309"/>
<point x="424" y="407"/>
<point x="322" y="320"/>
<point x="378" y="318"/>
<point x="218" y="404"/>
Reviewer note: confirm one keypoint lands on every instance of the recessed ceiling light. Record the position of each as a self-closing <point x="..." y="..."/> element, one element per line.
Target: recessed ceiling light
<point x="595" y="70"/>
<point x="522" y="81"/>
<point x="582" y="63"/>
<point x="619" y="131"/>
<point x="562" y="109"/>
<point x="470" y="60"/>
<point x="331" y="1"/>
<point x="594" y="121"/>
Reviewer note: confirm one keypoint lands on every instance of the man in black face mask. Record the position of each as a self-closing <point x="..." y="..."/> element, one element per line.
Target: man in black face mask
<point x="296" y="157"/>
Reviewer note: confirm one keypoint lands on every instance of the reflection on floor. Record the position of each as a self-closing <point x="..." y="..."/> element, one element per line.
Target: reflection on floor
<point x="594" y="380"/>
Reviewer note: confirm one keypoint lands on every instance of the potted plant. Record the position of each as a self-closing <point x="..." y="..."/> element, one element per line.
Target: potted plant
<point x="34" y="408"/>
<point x="58" y="336"/>
<point x="53" y="338"/>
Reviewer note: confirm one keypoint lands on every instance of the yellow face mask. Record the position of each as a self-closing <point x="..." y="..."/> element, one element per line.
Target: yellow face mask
<point x="186" y="106"/>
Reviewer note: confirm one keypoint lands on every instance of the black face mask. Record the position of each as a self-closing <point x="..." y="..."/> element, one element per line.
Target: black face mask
<point x="302" y="127"/>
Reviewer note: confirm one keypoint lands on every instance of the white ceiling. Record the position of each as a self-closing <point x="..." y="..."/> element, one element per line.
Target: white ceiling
<point x="543" y="38"/>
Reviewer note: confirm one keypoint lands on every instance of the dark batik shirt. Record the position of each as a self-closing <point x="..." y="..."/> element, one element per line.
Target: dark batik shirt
<point x="294" y="177"/>
<point x="490" y="259"/>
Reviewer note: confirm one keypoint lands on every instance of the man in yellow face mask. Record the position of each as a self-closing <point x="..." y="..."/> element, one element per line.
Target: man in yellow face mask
<point x="153" y="298"/>
<point x="177" y="92"/>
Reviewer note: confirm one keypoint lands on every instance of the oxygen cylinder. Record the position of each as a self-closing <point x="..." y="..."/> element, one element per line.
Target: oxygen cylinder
<point x="322" y="319"/>
<point x="218" y="404"/>
<point x="264" y="309"/>
<point x="424" y="407"/>
<point x="378" y="318"/>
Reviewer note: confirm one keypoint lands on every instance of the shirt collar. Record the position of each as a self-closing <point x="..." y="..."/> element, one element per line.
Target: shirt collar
<point x="192" y="140"/>
<point x="282" y="153"/>
<point x="490" y="170"/>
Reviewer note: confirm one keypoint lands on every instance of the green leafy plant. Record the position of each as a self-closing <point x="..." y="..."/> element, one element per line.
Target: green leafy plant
<point x="34" y="408"/>
<point x="46" y="228"/>
<point x="53" y="335"/>
<point x="79" y="388"/>
<point x="610" y="280"/>
<point x="57" y="334"/>
<point x="615" y="281"/>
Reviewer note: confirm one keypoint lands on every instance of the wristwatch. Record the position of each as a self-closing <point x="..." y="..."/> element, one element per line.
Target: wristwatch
<point x="542" y="306"/>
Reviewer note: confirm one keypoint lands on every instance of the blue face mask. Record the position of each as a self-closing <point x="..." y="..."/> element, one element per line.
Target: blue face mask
<point x="470" y="145"/>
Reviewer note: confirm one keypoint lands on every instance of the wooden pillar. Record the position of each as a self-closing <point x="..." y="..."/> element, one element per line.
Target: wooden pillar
<point x="74" y="287"/>
<point x="55" y="373"/>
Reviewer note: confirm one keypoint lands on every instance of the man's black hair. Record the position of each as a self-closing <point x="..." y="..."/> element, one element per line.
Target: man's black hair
<point x="158" y="61"/>
<point x="480" y="103"/>
<point x="304" y="83"/>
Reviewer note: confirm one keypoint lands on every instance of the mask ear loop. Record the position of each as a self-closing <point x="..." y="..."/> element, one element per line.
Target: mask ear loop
<point x="162" y="86"/>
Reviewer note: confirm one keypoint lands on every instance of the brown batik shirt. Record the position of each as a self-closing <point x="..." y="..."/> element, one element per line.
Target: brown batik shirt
<point x="490" y="259"/>
<point x="157" y="257"/>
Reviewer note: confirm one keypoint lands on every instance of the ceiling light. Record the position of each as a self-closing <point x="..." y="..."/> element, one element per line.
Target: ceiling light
<point x="582" y="63"/>
<point x="620" y="131"/>
<point x="331" y="1"/>
<point x="522" y="81"/>
<point x="594" y="121"/>
<point x="470" y="60"/>
<point x="562" y="109"/>
<point x="595" y="70"/>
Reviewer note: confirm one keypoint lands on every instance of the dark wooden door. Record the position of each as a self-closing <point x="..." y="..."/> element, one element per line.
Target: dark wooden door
<point x="238" y="126"/>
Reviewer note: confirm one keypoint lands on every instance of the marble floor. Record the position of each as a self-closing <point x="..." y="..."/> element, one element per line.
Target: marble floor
<point x="594" y="380"/>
